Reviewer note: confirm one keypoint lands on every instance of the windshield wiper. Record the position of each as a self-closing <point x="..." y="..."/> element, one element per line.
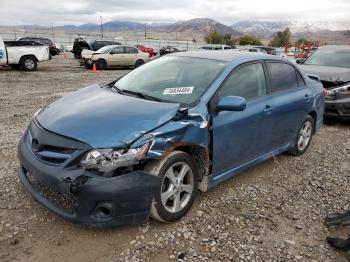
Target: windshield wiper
<point x="138" y="94"/>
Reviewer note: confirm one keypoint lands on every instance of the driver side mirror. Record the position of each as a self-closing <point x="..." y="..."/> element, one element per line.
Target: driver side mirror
<point x="231" y="103"/>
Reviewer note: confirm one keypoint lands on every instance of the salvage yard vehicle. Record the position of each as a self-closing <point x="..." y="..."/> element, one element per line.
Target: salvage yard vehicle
<point x="215" y="47"/>
<point x="54" y="50"/>
<point x="332" y="65"/>
<point x="169" y="50"/>
<point x="80" y="44"/>
<point x="23" y="55"/>
<point x="116" y="56"/>
<point x="144" y="49"/>
<point x="147" y="142"/>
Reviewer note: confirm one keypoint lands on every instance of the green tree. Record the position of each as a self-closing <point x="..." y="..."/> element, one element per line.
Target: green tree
<point x="214" y="37"/>
<point x="217" y="38"/>
<point x="249" y="40"/>
<point x="282" y="38"/>
<point x="302" y="41"/>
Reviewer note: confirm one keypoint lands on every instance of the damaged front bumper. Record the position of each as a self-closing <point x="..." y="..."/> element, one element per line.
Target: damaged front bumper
<point x="337" y="108"/>
<point x="95" y="200"/>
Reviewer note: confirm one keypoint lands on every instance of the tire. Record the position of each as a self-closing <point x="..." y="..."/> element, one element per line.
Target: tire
<point x="101" y="64"/>
<point x="183" y="193"/>
<point x="76" y="55"/>
<point x="28" y="63"/>
<point x="303" y="137"/>
<point x="139" y="62"/>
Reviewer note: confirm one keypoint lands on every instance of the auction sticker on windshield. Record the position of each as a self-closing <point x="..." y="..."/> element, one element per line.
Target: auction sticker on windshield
<point x="178" y="90"/>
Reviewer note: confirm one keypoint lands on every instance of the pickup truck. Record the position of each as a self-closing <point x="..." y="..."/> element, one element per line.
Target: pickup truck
<point x="23" y="55"/>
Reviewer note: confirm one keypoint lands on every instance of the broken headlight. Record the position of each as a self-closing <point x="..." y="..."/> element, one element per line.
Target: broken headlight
<point x="344" y="88"/>
<point x="106" y="160"/>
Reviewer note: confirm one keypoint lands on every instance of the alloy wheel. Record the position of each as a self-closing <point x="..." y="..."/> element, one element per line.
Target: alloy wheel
<point x="177" y="187"/>
<point x="304" y="135"/>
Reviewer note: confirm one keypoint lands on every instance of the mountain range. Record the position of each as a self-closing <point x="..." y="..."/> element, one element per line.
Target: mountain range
<point x="266" y="29"/>
<point x="203" y="26"/>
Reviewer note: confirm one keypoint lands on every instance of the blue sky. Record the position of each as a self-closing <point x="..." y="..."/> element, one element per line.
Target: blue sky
<point x="18" y="12"/>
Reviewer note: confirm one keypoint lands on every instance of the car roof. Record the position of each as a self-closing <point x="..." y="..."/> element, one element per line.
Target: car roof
<point x="229" y="55"/>
<point x="335" y="47"/>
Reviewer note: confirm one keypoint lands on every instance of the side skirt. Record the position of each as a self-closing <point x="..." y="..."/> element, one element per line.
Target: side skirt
<point x="215" y="179"/>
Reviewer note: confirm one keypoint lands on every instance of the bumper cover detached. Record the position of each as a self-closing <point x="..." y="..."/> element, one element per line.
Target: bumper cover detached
<point x="97" y="201"/>
<point x="337" y="108"/>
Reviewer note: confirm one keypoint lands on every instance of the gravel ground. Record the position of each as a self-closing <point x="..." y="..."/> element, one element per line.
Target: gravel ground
<point x="273" y="212"/>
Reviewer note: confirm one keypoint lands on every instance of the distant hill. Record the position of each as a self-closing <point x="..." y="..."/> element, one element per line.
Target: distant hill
<point x="266" y="29"/>
<point x="200" y="26"/>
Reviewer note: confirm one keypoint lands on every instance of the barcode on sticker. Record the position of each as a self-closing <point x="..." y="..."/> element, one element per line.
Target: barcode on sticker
<point x="178" y="90"/>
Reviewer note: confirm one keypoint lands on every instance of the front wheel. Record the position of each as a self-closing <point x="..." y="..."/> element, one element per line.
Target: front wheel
<point x="179" y="186"/>
<point x="304" y="137"/>
<point x="101" y="64"/>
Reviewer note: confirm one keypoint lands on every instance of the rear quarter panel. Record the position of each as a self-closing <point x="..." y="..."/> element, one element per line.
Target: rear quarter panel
<point x="318" y="101"/>
<point x="144" y="56"/>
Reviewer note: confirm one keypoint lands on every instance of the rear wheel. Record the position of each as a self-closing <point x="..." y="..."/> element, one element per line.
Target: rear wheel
<point x="28" y="63"/>
<point x="139" y="63"/>
<point x="304" y="137"/>
<point x="101" y="64"/>
<point x="179" y="186"/>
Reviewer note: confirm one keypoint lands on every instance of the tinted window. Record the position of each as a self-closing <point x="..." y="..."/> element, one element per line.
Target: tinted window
<point x="130" y="50"/>
<point x="247" y="81"/>
<point x="283" y="76"/>
<point x="98" y="45"/>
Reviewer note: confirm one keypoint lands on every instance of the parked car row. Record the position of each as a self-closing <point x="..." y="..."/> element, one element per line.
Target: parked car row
<point x="81" y="44"/>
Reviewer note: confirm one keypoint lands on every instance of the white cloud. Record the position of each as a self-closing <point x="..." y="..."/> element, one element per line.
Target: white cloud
<point x="19" y="12"/>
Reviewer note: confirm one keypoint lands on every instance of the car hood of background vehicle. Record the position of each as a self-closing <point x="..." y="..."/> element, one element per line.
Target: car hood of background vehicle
<point x="103" y="118"/>
<point x="327" y="73"/>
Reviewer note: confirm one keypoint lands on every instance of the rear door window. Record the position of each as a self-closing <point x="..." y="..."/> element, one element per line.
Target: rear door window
<point x="283" y="76"/>
<point x="130" y="50"/>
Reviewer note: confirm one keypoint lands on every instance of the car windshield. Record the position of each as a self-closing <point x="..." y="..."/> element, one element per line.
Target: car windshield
<point x="172" y="79"/>
<point x="105" y="49"/>
<point x="337" y="58"/>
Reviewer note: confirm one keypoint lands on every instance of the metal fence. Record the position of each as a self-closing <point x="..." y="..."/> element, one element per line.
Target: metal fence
<point x="67" y="39"/>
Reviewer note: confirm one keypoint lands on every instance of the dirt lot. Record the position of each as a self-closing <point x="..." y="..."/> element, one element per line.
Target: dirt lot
<point x="273" y="212"/>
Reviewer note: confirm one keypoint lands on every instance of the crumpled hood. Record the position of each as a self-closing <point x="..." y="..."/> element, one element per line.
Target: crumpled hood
<point x="88" y="53"/>
<point x="103" y="118"/>
<point x="327" y="73"/>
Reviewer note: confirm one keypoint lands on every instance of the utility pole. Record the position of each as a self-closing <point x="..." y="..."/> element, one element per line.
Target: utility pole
<point x="145" y="31"/>
<point x="52" y="30"/>
<point x="101" y="27"/>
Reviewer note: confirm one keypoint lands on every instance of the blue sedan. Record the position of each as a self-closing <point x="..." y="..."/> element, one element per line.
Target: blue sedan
<point x="147" y="142"/>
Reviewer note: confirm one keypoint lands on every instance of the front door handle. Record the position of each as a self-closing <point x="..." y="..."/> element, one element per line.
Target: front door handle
<point x="268" y="109"/>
